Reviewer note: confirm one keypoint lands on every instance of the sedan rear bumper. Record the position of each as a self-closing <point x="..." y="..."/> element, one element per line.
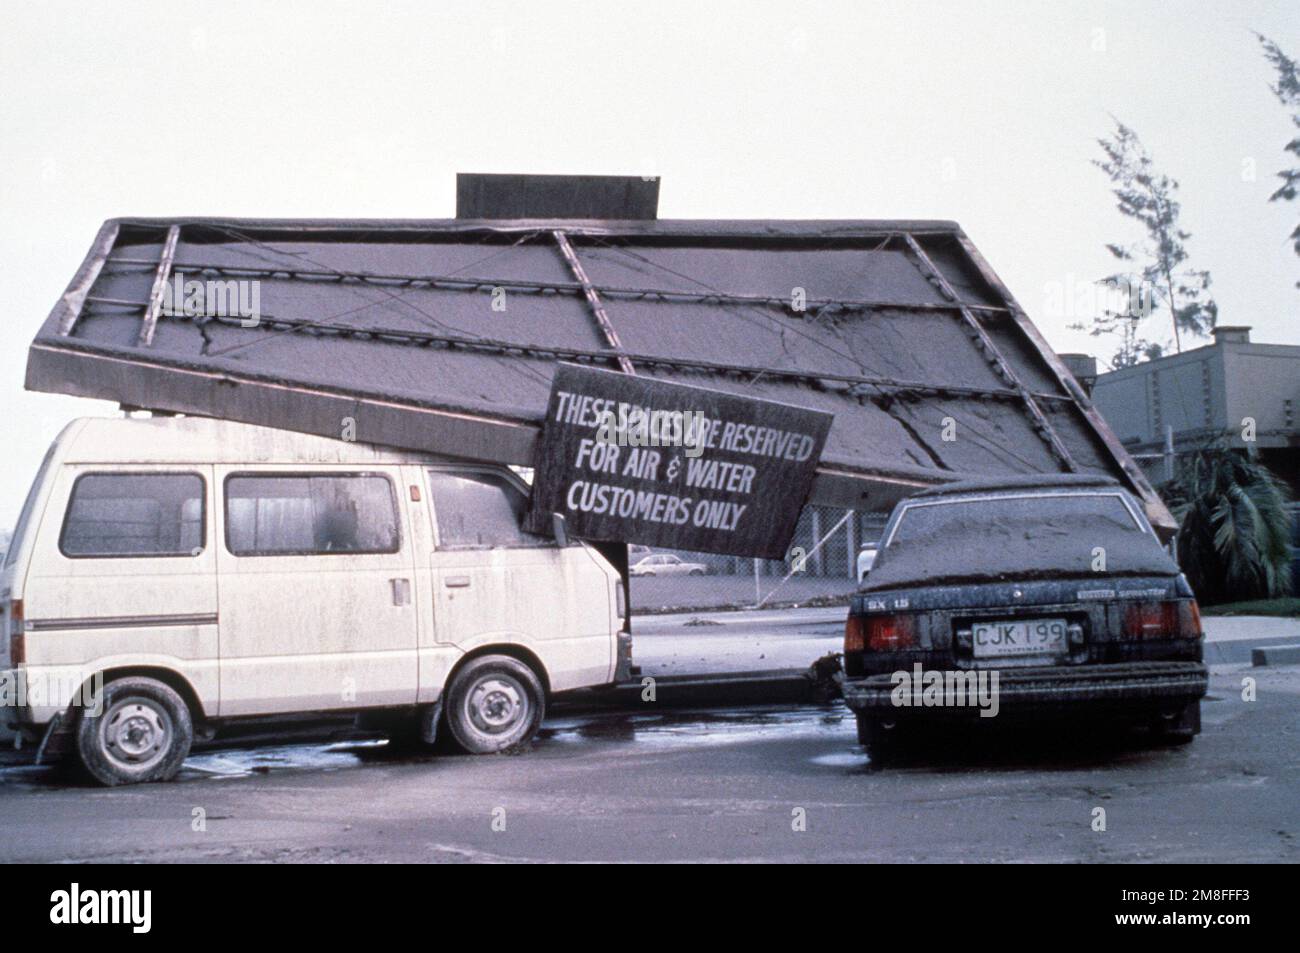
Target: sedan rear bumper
<point x="1128" y="685"/>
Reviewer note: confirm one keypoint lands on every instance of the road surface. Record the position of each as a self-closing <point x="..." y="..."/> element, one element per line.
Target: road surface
<point x="750" y="784"/>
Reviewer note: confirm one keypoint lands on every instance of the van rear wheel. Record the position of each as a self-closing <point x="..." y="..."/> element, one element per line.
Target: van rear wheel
<point x="494" y="703"/>
<point x="140" y="730"/>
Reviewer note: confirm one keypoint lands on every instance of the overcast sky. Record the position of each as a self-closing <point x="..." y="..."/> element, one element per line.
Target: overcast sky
<point x="982" y="113"/>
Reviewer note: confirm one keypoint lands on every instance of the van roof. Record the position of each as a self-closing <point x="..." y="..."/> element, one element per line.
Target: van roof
<point x="207" y="440"/>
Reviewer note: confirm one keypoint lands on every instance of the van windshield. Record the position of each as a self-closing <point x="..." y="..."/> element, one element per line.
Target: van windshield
<point x="25" y="515"/>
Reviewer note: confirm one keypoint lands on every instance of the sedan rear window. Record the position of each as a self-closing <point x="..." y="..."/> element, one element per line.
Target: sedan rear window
<point x="1021" y="536"/>
<point x="1034" y="517"/>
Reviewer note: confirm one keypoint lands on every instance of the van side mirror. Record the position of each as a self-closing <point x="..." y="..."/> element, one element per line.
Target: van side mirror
<point x="559" y="530"/>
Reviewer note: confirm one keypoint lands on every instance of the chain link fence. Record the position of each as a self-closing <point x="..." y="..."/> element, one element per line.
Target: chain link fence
<point x="820" y="568"/>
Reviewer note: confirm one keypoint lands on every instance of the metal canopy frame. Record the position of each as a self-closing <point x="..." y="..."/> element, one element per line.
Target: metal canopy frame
<point x="593" y="300"/>
<point x="994" y="356"/>
<point x="59" y="351"/>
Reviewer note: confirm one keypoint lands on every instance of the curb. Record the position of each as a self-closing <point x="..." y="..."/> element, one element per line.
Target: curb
<point x="1276" y="655"/>
<point x="1236" y="651"/>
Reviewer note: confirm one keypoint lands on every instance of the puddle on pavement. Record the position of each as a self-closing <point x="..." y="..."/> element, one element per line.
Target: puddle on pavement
<point x="656" y="729"/>
<point x="244" y="762"/>
<point x="827" y="730"/>
<point x="842" y="759"/>
<point x="686" y="727"/>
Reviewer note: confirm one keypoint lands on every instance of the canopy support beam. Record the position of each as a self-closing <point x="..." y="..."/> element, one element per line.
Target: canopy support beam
<point x="594" y="302"/>
<point x="150" y="323"/>
<point x="990" y="350"/>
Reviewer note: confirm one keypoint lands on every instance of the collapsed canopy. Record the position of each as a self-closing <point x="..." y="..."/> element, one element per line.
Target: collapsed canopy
<point x="443" y="336"/>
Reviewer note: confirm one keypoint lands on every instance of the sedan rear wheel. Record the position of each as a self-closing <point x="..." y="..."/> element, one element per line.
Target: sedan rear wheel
<point x="1179" y="727"/>
<point x="881" y="739"/>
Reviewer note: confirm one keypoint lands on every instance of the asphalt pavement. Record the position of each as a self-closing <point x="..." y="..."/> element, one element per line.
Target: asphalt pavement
<point x="752" y="783"/>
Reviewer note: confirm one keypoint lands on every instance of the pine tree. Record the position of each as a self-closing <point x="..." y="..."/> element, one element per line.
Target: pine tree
<point x="1287" y="91"/>
<point x="1158" y="277"/>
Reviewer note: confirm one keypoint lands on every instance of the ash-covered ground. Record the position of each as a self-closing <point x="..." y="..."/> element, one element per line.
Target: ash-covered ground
<point x="732" y="783"/>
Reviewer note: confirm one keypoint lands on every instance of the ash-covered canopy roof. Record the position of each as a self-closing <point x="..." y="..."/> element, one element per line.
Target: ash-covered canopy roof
<point x="443" y="335"/>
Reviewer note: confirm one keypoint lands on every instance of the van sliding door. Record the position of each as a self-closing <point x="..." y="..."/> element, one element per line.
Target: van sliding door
<point x="316" y="580"/>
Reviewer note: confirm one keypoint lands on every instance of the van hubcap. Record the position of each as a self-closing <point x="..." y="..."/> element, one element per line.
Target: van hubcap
<point x="136" y="733"/>
<point x="497" y="704"/>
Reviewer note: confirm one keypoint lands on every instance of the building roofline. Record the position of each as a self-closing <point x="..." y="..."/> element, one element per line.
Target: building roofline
<point x="1167" y="360"/>
<point x="668" y="227"/>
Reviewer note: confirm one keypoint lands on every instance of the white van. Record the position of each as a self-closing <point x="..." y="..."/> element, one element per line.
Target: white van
<point x="168" y="575"/>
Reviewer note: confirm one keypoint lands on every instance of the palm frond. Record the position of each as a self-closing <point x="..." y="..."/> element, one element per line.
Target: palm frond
<point x="1234" y="526"/>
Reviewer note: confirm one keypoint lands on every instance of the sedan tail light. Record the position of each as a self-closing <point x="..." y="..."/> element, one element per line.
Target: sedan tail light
<point x="1163" y="620"/>
<point x="879" y="633"/>
<point x="855" y="634"/>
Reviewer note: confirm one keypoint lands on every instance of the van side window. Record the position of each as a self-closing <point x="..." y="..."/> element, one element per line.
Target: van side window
<point x="134" y="514"/>
<point x="479" y="510"/>
<point x="299" y="514"/>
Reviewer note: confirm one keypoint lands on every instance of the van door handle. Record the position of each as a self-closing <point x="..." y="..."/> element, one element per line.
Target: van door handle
<point x="401" y="591"/>
<point x="456" y="582"/>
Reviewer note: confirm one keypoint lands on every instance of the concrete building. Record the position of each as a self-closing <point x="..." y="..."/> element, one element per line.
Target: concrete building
<point x="1232" y="391"/>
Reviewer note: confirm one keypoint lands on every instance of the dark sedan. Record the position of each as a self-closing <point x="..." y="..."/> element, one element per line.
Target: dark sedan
<point x="1047" y="596"/>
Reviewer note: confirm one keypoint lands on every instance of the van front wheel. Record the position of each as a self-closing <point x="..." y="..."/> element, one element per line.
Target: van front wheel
<point x="138" y="730"/>
<point x="494" y="703"/>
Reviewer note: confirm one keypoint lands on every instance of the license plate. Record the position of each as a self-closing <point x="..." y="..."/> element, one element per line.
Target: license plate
<point x="1021" y="637"/>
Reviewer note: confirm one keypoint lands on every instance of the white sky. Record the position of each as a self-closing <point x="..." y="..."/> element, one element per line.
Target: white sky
<point x="983" y="113"/>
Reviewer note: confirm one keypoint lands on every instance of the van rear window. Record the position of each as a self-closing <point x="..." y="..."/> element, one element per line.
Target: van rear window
<point x="134" y="514"/>
<point x="305" y="515"/>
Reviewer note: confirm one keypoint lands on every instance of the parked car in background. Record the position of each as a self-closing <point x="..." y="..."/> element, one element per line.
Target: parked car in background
<point x="1056" y="585"/>
<point x="169" y="576"/>
<point x="867" y="559"/>
<point x="666" y="564"/>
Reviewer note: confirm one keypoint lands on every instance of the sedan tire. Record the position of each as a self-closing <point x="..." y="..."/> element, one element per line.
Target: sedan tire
<point x="882" y="740"/>
<point x="1180" y="727"/>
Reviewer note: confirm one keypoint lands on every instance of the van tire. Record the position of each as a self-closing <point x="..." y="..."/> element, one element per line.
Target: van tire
<point x="494" y="703"/>
<point x="142" y="731"/>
